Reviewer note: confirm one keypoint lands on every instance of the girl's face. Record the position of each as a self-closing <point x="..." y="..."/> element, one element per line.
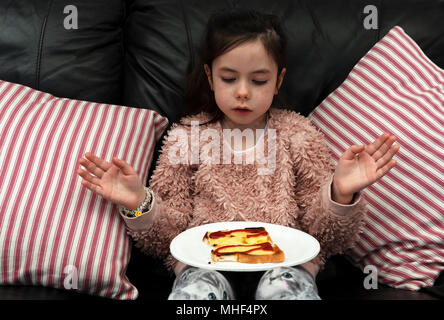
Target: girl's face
<point x="245" y="77"/>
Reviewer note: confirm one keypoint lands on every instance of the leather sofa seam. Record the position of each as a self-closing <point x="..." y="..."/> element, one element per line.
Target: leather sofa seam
<point x="40" y="47"/>
<point x="188" y="32"/>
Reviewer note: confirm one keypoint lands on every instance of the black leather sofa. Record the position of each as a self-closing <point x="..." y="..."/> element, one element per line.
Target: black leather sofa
<point x="138" y="52"/>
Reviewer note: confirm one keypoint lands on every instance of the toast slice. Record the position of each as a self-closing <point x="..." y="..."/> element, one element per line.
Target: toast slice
<point x="236" y="237"/>
<point x="248" y="245"/>
<point x="257" y="253"/>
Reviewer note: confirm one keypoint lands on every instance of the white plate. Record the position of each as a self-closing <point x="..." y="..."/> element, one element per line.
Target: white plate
<point x="298" y="246"/>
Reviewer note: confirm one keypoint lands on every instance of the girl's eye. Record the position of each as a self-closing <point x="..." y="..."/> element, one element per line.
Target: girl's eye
<point x="260" y="82"/>
<point x="256" y="82"/>
<point x="228" y="80"/>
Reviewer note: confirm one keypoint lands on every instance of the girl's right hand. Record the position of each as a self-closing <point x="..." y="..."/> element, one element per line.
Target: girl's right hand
<point x="117" y="182"/>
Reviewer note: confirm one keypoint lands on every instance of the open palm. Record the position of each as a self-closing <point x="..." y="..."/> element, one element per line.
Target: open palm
<point x="117" y="181"/>
<point x="361" y="166"/>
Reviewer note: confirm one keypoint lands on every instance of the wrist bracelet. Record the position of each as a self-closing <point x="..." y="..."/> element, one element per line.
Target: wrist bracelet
<point x="143" y="207"/>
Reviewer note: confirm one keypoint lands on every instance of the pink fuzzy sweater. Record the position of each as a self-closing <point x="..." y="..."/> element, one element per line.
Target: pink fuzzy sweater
<point x="295" y="193"/>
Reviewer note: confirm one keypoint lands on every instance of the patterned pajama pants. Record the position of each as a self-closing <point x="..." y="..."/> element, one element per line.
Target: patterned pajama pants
<point x="282" y="283"/>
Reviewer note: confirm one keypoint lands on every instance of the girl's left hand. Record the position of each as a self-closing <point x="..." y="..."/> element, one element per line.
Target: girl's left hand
<point x="361" y="166"/>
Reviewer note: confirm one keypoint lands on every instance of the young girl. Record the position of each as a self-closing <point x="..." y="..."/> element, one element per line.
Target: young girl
<point x="234" y="86"/>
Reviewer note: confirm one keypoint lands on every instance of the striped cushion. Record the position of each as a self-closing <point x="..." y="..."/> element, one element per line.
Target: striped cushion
<point x="395" y="88"/>
<point x="53" y="231"/>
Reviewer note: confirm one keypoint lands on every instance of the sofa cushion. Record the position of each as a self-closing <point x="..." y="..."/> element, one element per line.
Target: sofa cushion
<point x="71" y="49"/>
<point x="340" y="280"/>
<point x="395" y="88"/>
<point x="53" y="231"/>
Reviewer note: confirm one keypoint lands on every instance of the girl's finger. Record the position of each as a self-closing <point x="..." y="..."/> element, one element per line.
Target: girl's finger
<point x="99" y="162"/>
<point x="382" y="161"/>
<point x="124" y="166"/>
<point x="93" y="187"/>
<point x="351" y="152"/>
<point x="89" y="178"/>
<point x="385" y="169"/>
<point x="385" y="147"/>
<point x="378" y="143"/>
<point x="91" y="167"/>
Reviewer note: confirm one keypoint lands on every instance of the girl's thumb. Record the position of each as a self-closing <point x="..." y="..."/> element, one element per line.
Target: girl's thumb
<point x="357" y="149"/>
<point x="351" y="152"/>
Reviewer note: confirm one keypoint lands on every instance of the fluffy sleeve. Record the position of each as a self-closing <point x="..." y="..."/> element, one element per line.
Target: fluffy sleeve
<point x="335" y="226"/>
<point x="172" y="206"/>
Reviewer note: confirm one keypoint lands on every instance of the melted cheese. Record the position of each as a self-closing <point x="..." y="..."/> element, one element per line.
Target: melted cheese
<point x="236" y="240"/>
<point x="265" y="248"/>
<point x="239" y="238"/>
<point x="237" y="249"/>
<point x="261" y="252"/>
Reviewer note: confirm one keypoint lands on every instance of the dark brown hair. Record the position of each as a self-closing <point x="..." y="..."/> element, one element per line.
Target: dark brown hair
<point x="226" y="30"/>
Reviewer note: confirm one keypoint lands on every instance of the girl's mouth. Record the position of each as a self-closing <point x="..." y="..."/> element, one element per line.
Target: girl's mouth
<point x="242" y="111"/>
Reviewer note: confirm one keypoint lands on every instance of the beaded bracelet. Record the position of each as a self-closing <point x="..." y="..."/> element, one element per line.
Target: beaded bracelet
<point x="143" y="207"/>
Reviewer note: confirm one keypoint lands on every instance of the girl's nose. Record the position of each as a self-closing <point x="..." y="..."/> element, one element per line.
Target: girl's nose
<point x="242" y="91"/>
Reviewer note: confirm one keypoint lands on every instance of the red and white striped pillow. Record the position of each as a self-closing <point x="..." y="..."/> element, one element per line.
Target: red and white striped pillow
<point x="395" y="88"/>
<point x="53" y="231"/>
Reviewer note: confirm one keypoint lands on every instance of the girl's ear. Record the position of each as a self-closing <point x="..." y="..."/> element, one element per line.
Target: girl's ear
<point x="208" y="73"/>
<point x="279" y="80"/>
